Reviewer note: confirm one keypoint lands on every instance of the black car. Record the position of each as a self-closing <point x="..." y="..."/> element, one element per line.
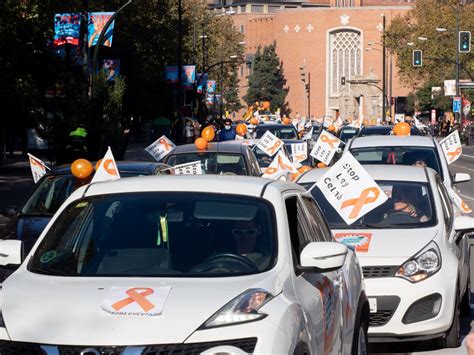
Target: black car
<point x="27" y="223"/>
<point x="280" y="130"/>
<point x="347" y="132"/>
<point x="383" y="131"/>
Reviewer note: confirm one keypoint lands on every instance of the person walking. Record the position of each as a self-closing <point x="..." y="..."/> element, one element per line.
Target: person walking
<point x="228" y="133"/>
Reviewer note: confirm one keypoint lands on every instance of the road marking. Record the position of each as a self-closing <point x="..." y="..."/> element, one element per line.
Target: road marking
<point x="462" y="167"/>
<point x="467" y="156"/>
<point x="468" y="197"/>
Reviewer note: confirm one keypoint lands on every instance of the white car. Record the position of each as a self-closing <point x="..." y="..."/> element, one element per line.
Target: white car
<point x="189" y="264"/>
<point x="414" y="253"/>
<point x="407" y="150"/>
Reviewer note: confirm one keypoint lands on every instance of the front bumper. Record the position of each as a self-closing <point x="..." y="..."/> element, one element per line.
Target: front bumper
<point x="392" y="320"/>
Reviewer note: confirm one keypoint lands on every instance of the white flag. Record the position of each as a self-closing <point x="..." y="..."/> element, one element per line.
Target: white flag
<point x="270" y="144"/>
<point x="38" y="167"/>
<point x="325" y="147"/>
<point x="192" y="168"/>
<point x="299" y="152"/>
<point x="107" y="169"/>
<point x="160" y="148"/>
<point x="308" y="135"/>
<point x="452" y="147"/>
<point x="350" y="189"/>
<point x="463" y="206"/>
<point x="280" y="165"/>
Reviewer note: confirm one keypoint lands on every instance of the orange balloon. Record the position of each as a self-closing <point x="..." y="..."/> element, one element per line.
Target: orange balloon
<point x="321" y="165"/>
<point x="304" y="169"/>
<point x="365" y="122"/>
<point x="401" y="129"/>
<point x="81" y="168"/>
<point x="201" y="143"/>
<point x="286" y="120"/>
<point x="241" y="129"/>
<point x="331" y="128"/>
<point x="254" y="121"/>
<point x="266" y="105"/>
<point x="208" y="133"/>
<point x="98" y="164"/>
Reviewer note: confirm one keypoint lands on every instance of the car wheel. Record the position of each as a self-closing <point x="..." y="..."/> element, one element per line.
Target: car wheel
<point x="452" y="337"/>
<point x="359" y="339"/>
<point x="466" y="299"/>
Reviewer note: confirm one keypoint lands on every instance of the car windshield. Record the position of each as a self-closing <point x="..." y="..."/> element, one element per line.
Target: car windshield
<point x="284" y="132"/>
<point x="212" y="162"/>
<point x="175" y="234"/>
<point x="418" y="156"/>
<point x="409" y="205"/>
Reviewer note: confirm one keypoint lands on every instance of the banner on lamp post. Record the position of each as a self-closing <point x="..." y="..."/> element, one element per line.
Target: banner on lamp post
<point x="97" y="21"/>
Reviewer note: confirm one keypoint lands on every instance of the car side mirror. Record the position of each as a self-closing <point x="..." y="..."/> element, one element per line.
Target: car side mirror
<point x="11" y="252"/>
<point x="325" y="256"/>
<point x="10" y="211"/>
<point x="461" y="177"/>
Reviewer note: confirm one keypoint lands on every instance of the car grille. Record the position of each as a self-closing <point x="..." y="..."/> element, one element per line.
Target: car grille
<point x="380" y="318"/>
<point x="17" y="348"/>
<point x="379" y="271"/>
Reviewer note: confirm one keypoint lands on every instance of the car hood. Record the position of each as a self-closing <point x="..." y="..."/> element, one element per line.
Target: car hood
<point x="385" y="244"/>
<point x="63" y="310"/>
<point x="25" y="228"/>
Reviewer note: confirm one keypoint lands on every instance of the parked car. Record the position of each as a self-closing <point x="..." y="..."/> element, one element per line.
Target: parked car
<point x="218" y="158"/>
<point x="407" y="150"/>
<point x="347" y="132"/>
<point x="27" y="222"/>
<point x="188" y="264"/>
<point x="414" y="253"/>
<point x="282" y="131"/>
<point x="383" y="131"/>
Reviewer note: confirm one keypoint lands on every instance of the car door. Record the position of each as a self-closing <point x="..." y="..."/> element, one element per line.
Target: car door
<point x="460" y="246"/>
<point x="317" y="293"/>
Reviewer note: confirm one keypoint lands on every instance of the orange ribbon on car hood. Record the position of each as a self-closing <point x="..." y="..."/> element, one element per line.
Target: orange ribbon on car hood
<point x="134" y="296"/>
<point x="362" y="200"/>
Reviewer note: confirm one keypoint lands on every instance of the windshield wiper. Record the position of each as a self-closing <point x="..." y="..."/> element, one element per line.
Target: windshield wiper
<point x="371" y="225"/>
<point x="37" y="214"/>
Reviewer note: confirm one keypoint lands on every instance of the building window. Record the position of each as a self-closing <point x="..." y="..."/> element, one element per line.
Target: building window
<point x="257" y="8"/>
<point x="242" y="29"/>
<point x="345" y="61"/>
<point x="273" y="9"/>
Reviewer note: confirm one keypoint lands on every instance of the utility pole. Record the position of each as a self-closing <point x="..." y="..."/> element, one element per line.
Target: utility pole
<point x="180" y="125"/>
<point x="457" y="10"/>
<point x="384" y="75"/>
<point x="303" y="79"/>
<point x="309" y="95"/>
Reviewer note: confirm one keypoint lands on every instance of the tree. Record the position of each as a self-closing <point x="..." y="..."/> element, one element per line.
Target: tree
<point x="267" y="82"/>
<point x="439" y="51"/>
<point x="231" y="93"/>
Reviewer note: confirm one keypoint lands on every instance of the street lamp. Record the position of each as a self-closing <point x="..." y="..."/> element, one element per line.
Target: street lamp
<point x="384" y="76"/>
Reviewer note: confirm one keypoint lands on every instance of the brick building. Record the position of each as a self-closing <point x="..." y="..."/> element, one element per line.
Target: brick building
<point x="337" y="41"/>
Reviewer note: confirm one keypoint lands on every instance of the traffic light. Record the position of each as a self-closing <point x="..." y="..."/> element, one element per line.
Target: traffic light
<point x="464" y="41"/>
<point x="417" y="58"/>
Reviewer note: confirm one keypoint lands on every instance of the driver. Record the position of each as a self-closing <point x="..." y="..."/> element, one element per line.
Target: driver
<point x="404" y="204"/>
<point x="246" y="235"/>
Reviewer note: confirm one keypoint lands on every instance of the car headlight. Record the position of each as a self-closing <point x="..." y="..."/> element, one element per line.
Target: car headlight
<point x="422" y="266"/>
<point x="242" y="309"/>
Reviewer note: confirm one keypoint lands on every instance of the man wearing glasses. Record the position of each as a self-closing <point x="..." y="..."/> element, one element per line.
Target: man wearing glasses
<point x="246" y="235"/>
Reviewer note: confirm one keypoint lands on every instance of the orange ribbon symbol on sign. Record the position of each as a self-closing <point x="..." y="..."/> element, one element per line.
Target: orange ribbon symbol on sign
<point x="362" y="200"/>
<point x="329" y="141"/>
<point x="465" y="207"/>
<point x="454" y="154"/>
<point x="283" y="165"/>
<point x="134" y="296"/>
<point x="271" y="171"/>
<point x="275" y="147"/>
<point x="165" y="143"/>
<point x="300" y="157"/>
<point x="111" y="170"/>
<point x="35" y="163"/>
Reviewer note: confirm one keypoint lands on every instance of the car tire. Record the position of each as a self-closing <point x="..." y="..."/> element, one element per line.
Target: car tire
<point x="466" y="298"/>
<point x="452" y="337"/>
<point x="301" y="349"/>
<point x="360" y="339"/>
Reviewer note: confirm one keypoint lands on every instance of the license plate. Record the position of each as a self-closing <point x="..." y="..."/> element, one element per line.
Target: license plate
<point x="373" y="305"/>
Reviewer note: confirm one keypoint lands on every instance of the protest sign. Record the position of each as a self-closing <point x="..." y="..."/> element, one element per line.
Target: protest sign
<point x="107" y="168"/>
<point x="451" y="146"/>
<point x="160" y="148"/>
<point x="325" y="147"/>
<point x="269" y="143"/>
<point x="192" y="168"/>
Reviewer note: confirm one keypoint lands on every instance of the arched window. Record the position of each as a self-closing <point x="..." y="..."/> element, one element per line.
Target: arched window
<point x="345" y="51"/>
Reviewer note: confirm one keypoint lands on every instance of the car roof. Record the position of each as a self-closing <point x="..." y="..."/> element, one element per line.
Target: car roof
<point x="379" y="172"/>
<point x="388" y="141"/>
<point x="123" y="167"/>
<point x="211" y="147"/>
<point x="274" y="125"/>
<point x="241" y="185"/>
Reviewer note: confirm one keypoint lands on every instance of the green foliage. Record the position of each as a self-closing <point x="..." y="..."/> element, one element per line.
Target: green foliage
<point x="424" y="99"/>
<point x="231" y="93"/>
<point x="266" y="82"/>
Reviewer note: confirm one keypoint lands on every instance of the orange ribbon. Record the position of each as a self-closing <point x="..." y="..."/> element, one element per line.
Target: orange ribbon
<point x="283" y="165"/>
<point x="362" y="200"/>
<point x="165" y="143"/>
<point x="392" y="158"/>
<point x="36" y="163"/>
<point x="275" y="147"/>
<point x="465" y="207"/>
<point x="454" y="154"/>
<point x="110" y="170"/>
<point x="300" y="157"/>
<point x="329" y="141"/>
<point x="271" y="171"/>
<point x="134" y="296"/>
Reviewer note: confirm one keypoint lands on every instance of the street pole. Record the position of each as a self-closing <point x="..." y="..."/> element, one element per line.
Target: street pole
<point x="390" y="92"/>
<point x="309" y="96"/>
<point x="383" y="72"/>
<point x="458" y="114"/>
<point x="180" y="130"/>
<point x="222" y="91"/>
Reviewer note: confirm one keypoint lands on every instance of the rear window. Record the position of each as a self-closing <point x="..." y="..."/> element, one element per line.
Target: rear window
<point x="286" y="132"/>
<point x="212" y="162"/>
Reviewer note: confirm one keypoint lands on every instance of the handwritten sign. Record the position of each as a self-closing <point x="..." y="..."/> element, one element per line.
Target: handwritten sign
<point x="38" y="167"/>
<point x="160" y="148"/>
<point x="452" y="147"/>
<point x="270" y="144"/>
<point x="299" y="152"/>
<point x="350" y="189"/>
<point x="192" y="168"/>
<point x="325" y="147"/>
<point x="107" y="169"/>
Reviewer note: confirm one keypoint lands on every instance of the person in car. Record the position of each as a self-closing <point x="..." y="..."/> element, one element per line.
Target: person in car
<point x="246" y="235"/>
<point x="404" y="204"/>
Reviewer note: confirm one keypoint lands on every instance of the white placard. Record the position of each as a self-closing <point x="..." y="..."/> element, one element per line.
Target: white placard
<point x="299" y="152"/>
<point x="270" y="144"/>
<point x="450" y="88"/>
<point x="136" y="301"/>
<point x="192" y="168"/>
<point x="452" y="147"/>
<point x="38" y="167"/>
<point x="350" y="189"/>
<point x="160" y="148"/>
<point x="325" y="147"/>
<point x="463" y="206"/>
<point x="280" y="165"/>
<point x="308" y="135"/>
<point x="107" y="169"/>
